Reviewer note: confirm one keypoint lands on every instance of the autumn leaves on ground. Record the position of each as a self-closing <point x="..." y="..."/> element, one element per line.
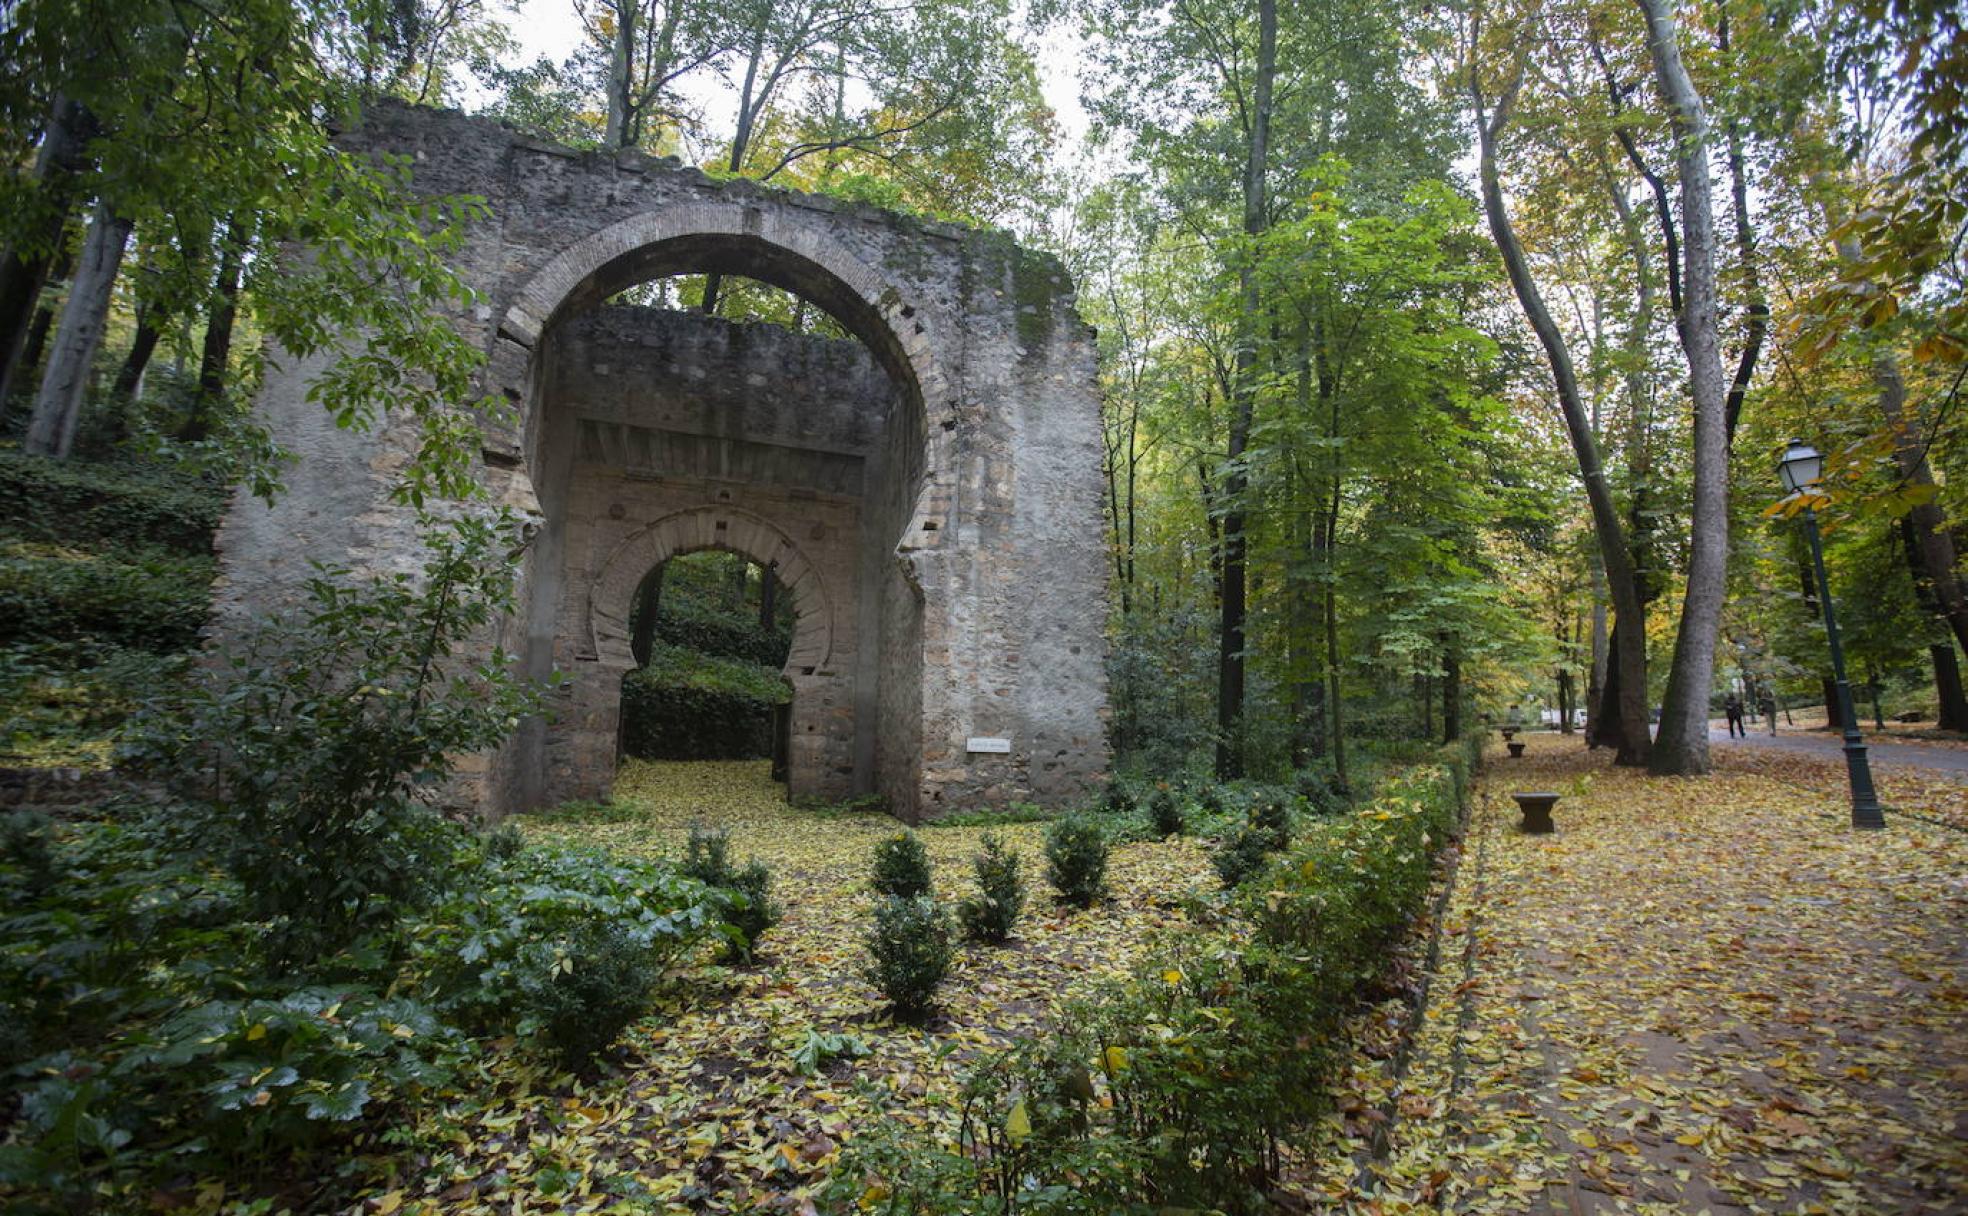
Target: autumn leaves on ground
<point x="1692" y="996"/>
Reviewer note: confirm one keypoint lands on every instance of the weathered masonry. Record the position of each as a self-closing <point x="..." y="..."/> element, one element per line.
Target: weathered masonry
<point x="930" y="494"/>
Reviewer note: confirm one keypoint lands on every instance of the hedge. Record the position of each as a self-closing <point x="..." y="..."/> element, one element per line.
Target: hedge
<point x="687" y="706"/>
<point x="1175" y="1088"/>
<point x="146" y="598"/>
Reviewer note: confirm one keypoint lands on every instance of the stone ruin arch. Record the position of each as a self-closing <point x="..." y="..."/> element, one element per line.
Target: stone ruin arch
<point x="937" y="484"/>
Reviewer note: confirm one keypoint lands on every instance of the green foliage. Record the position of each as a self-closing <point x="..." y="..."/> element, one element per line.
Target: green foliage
<point x="601" y="985"/>
<point x="491" y="952"/>
<point x="1243" y="855"/>
<point x="139" y="598"/>
<point x="718" y="634"/>
<point x="1165" y="812"/>
<point x="687" y="706"/>
<point x="307" y="758"/>
<point x="901" y="868"/>
<point x="993" y="912"/>
<point x="1175" y="1088"/>
<point x="993" y="817"/>
<point x="707" y="859"/>
<point x="1076" y="859"/>
<point x="820" y="1051"/>
<point x="1270" y="814"/>
<point x="910" y="949"/>
<point x="104" y="505"/>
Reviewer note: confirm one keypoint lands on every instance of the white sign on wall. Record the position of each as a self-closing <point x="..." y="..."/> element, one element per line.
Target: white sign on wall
<point x="981" y="744"/>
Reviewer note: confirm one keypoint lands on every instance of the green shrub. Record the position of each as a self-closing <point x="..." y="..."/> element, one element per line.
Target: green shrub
<point x="601" y="985"/>
<point x="1119" y="798"/>
<point x="1175" y="1089"/>
<point x="488" y="954"/>
<point x="707" y="858"/>
<point x="991" y="914"/>
<point x="139" y="597"/>
<point x="910" y="950"/>
<point x="307" y="757"/>
<point x="1165" y="812"/>
<point x="717" y="634"/>
<point x="1076" y="860"/>
<point x="84" y="501"/>
<point x="901" y="869"/>
<point x="1319" y="787"/>
<point x="687" y="706"/>
<point x="1270" y="813"/>
<point x="1241" y="856"/>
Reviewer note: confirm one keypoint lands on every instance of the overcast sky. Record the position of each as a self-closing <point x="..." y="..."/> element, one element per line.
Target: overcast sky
<point x="551" y="28"/>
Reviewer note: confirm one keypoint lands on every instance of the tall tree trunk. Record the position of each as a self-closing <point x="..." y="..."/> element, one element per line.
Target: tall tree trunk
<point x="25" y="268"/>
<point x="1947" y="688"/>
<point x="768" y="597"/>
<point x="1756" y="325"/>
<point x="1681" y="747"/>
<point x="649" y="605"/>
<point x="216" y="355"/>
<point x="58" y="404"/>
<point x="1451" y="696"/>
<point x="618" y="132"/>
<point x="142" y="346"/>
<point x="1595" y="680"/>
<point x="1230" y="636"/>
<point x="1629" y="644"/>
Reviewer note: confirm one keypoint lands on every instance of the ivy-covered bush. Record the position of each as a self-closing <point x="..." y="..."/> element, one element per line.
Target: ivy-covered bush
<point x="140" y="597"/>
<point x="716" y="634"/>
<point x="910" y="949"/>
<point x="122" y="504"/>
<point x="1076" y="860"/>
<point x="901" y="868"/>
<point x="990" y="915"/>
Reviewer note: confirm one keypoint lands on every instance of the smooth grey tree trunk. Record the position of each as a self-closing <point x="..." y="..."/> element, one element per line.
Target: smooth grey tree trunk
<point x="1681" y="746"/>
<point x="24" y="270"/>
<point x="58" y="404"/>
<point x="1629" y="669"/>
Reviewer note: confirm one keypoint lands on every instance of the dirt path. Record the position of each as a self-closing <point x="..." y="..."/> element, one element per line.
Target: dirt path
<point x="1696" y="996"/>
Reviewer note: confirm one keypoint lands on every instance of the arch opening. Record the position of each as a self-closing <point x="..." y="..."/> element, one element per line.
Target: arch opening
<point x="651" y="428"/>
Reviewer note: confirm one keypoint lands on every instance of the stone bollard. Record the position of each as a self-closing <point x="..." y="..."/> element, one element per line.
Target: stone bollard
<point x="1537" y="812"/>
<point x="1516" y="751"/>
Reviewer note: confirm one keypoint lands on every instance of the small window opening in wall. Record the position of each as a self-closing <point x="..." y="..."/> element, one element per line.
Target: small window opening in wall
<point x="806" y="671"/>
<point x="724" y="496"/>
<point x="720" y="525"/>
<point x="929" y="525"/>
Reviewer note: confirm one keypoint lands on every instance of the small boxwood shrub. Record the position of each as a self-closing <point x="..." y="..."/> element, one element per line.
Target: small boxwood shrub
<point x="707" y="858"/>
<point x="1076" y="860"/>
<point x="1175" y="1088"/>
<point x="1270" y="813"/>
<point x="901" y="869"/>
<point x="990" y="915"/>
<point x="1165" y="812"/>
<point x="910" y="949"/>
<point x="601" y="986"/>
<point x="1242" y="855"/>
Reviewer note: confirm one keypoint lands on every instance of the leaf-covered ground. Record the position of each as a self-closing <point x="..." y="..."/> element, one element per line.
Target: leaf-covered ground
<point x="706" y="1107"/>
<point x="1696" y="996"/>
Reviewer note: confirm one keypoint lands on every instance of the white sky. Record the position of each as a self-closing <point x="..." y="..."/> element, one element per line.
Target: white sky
<point x="551" y="28"/>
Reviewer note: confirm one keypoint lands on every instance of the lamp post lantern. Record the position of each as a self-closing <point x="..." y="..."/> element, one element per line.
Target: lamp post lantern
<point x="1800" y="470"/>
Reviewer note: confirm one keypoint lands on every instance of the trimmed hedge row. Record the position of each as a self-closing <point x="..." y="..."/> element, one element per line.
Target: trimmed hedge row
<point x="1176" y="1088"/>
<point x="718" y="635"/>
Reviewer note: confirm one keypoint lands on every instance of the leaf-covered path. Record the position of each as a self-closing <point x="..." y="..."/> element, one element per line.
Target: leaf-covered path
<point x="1696" y="996"/>
<point x="708" y="1106"/>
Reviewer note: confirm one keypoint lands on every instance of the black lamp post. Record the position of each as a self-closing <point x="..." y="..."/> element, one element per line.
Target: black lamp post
<point x="1801" y="469"/>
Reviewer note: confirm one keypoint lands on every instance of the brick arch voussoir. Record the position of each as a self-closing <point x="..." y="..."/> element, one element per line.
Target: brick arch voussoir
<point x="693" y="530"/>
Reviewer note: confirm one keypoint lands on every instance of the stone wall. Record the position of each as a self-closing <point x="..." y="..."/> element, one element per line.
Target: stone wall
<point x="978" y="553"/>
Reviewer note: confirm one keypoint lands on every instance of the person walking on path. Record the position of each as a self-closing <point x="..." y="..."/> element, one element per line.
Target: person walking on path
<point x="1770" y="711"/>
<point x="1733" y="707"/>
